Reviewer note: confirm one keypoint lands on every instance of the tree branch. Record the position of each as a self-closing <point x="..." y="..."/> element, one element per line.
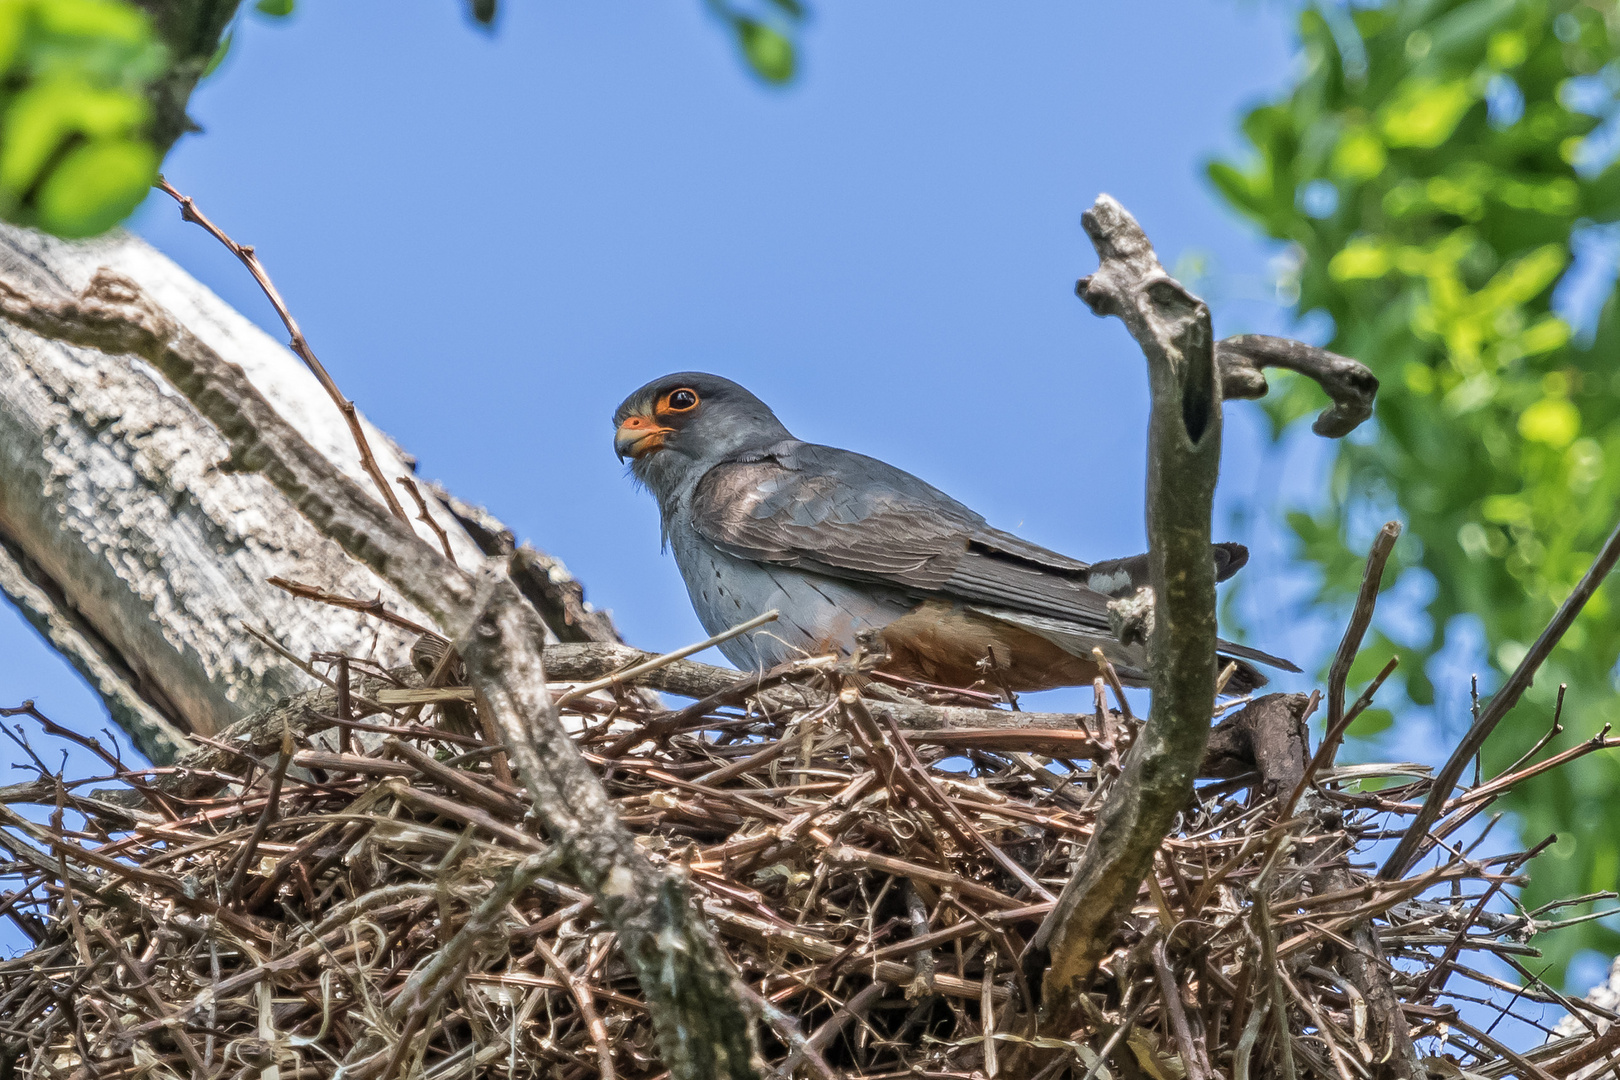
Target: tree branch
<point x="1407" y="851"/>
<point x="1350" y="384"/>
<point x="704" y="1029"/>
<point x="1184" y="441"/>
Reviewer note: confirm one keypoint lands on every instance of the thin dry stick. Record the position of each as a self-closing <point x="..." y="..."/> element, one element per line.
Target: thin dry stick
<point x="271" y="802"/>
<point x="297" y="342"/>
<point x="374" y="608"/>
<point x="1178" y="1014"/>
<point x="1113" y="682"/>
<point x="1360" y="620"/>
<point x="581" y="993"/>
<point x="263" y="635"/>
<point x="1349" y="645"/>
<point x="1501" y="702"/>
<point x="620" y="678"/>
<point x="426" y="518"/>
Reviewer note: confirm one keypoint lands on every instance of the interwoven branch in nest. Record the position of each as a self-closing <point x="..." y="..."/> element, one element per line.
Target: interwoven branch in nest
<point x="874" y="873"/>
<point x="399" y="910"/>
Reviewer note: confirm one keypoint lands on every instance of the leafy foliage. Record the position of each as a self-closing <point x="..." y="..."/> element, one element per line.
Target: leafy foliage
<point x="75" y="157"/>
<point x="1437" y="166"/>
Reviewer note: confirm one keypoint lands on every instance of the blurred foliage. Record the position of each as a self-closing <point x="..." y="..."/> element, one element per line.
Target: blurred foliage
<point x="765" y="32"/>
<point x="94" y="92"/>
<point x="75" y="156"/>
<point x="1438" y="167"/>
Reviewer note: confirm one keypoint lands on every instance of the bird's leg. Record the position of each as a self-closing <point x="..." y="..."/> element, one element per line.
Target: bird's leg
<point x="996" y="675"/>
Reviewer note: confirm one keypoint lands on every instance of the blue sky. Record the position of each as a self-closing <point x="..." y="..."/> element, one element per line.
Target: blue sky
<point x="491" y="239"/>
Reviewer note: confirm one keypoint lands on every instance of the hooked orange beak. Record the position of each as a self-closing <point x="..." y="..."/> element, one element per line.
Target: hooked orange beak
<point x="639" y="436"/>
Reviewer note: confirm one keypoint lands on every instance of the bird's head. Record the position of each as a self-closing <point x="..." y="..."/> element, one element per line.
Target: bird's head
<point x="677" y="427"/>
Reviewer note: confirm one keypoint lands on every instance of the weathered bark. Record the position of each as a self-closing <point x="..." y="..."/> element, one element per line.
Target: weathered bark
<point x="1184" y="445"/>
<point x="128" y="542"/>
<point x="693" y="997"/>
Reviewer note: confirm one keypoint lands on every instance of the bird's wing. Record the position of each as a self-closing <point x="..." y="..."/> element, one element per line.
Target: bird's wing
<point x="850" y="516"/>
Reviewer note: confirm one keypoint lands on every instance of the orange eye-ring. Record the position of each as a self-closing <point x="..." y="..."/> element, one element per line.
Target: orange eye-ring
<point x="683" y="399"/>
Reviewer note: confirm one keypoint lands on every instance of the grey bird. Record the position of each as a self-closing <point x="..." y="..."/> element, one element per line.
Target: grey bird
<point x="845" y="546"/>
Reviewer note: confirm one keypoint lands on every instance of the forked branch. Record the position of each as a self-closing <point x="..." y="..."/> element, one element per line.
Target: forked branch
<point x="1188" y="375"/>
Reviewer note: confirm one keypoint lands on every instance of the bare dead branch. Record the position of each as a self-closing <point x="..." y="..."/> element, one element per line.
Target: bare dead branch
<point x="1184" y="438"/>
<point x="1360" y="619"/>
<point x="296" y="342"/>
<point x="422" y="515"/>
<point x="1350" y="384"/>
<point x="374" y="608"/>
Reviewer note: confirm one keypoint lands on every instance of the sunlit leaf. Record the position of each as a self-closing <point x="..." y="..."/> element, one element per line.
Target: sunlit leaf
<point x="1425" y="113"/>
<point x="769" y="52"/>
<point x="96" y="186"/>
<point x="1553" y="421"/>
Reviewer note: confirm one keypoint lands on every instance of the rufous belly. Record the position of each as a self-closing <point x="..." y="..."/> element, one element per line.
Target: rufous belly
<point x="941" y="643"/>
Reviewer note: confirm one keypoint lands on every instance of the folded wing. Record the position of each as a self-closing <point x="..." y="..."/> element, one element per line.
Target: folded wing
<point x="849" y="516"/>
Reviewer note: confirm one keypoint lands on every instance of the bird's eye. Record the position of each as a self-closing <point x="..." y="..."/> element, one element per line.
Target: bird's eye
<point x="682" y="400"/>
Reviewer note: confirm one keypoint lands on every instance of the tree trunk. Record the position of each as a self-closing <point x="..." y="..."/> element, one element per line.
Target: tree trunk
<point x="128" y="541"/>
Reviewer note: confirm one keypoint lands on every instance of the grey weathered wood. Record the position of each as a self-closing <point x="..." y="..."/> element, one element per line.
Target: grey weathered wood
<point x="128" y="543"/>
<point x="693" y="996"/>
<point x="1184" y="442"/>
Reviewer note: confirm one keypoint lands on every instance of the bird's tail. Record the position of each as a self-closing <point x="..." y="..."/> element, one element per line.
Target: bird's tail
<point x="1247" y="677"/>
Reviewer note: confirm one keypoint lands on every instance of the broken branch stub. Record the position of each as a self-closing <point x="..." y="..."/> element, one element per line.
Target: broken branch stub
<point x="1350" y="383"/>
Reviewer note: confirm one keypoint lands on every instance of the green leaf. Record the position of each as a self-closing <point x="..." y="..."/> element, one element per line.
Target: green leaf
<point x="1424" y="113"/>
<point x="275" y="9"/>
<point x="46" y="115"/>
<point x="769" y="52"/>
<point x="220" y="52"/>
<point x="96" y="186"/>
<point x="1371" y="723"/>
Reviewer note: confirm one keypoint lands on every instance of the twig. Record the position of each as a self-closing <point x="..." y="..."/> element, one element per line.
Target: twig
<point x="1360" y="618"/>
<point x="272" y="803"/>
<point x="298" y="344"/>
<point x="438" y="530"/>
<point x="621" y="678"/>
<point x="1407" y="850"/>
<point x="374" y="608"/>
<point x="587" y="1010"/>
<point x="262" y="634"/>
<point x="1114" y="684"/>
<point x="1171" y="993"/>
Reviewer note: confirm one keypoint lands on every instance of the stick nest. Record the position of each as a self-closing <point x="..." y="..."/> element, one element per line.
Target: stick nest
<point x="351" y="881"/>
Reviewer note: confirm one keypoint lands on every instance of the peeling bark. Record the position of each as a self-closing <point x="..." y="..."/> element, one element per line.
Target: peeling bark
<point x="128" y="542"/>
